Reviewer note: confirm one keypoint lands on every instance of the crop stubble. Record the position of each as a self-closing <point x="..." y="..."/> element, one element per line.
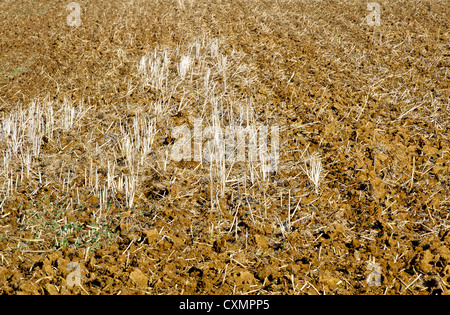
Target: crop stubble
<point x="373" y="103"/>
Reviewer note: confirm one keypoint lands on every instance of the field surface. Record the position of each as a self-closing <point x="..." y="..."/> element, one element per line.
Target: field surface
<point x="353" y="196"/>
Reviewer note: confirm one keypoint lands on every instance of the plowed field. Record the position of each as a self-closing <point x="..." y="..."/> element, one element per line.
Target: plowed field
<point x="93" y="199"/>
